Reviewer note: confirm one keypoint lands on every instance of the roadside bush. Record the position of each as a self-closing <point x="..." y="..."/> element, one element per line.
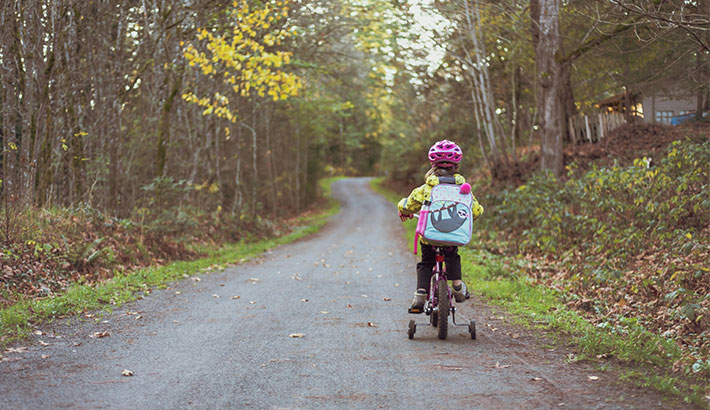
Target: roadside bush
<point x="623" y="242"/>
<point x="616" y="211"/>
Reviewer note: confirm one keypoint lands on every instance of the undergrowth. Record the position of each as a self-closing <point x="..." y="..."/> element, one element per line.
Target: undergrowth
<point x="629" y="246"/>
<point x="45" y="249"/>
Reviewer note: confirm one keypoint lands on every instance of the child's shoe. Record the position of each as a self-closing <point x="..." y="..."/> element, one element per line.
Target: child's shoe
<point x="461" y="294"/>
<point x="418" y="302"/>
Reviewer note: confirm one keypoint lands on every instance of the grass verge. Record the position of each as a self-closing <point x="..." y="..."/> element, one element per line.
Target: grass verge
<point x="16" y="321"/>
<point x="495" y="278"/>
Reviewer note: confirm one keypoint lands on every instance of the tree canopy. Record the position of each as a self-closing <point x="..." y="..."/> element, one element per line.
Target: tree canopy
<point x="109" y="103"/>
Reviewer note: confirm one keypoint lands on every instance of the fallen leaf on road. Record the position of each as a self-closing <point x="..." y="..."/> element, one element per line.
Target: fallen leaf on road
<point x="502" y="366"/>
<point x="177" y="292"/>
<point x="99" y="335"/>
<point x="196" y="279"/>
<point x="43" y="343"/>
<point x="325" y="312"/>
<point x="252" y="302"/>
<point x="388" y="300"/>
<point x="296" y="335"/>
<point x="127" y="373"/>
<point x="304" y="300"/>
<point x="537" y="379"/>
<point x="370" y="324"/>
<point x="139" y="317"/>
<point x="39" y="332"/>
<point x="396" y="284"/>
<point x="16" y="350"/>
<point x="215" y="295"/>
<point x="370" y="269"/>
<point x="449" y="367"/>
<point x="295" y="277"/>
<point x="89" y="315"/>
<point x="364" y="296"/>
<point x="253" y="280"/>
<point x="44" y="356"/>
<point x="593" y="378"/>
<point x="236" y="297"/>
<point x="349" y="306"/>
<point x="131" y="313"/>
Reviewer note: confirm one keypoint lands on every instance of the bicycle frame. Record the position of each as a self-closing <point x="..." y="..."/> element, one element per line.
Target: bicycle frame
<point x="439" y="274"/>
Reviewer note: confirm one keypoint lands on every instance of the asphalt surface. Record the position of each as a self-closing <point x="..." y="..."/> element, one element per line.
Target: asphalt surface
<point x="225" y="340"/>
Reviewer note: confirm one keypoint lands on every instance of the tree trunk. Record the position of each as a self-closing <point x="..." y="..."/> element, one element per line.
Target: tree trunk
<point x="165" y="125"/>
<point x="482" y="95"/>
<point x="549" y="80"/>
<point x="569" y="109"/>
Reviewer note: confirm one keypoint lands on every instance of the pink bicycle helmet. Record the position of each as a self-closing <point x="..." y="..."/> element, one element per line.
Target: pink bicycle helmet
<point x="445" y="151"/>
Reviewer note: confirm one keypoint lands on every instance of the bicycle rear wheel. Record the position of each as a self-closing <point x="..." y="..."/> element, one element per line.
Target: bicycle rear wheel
<point x="442" y="293"/>
<point x="433" y="318"/>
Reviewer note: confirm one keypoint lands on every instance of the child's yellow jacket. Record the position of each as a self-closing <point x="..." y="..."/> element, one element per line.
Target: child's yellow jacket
<point x="414" y="202"/>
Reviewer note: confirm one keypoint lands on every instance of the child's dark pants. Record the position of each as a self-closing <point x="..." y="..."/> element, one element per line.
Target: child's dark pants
<point x="452" y="260"/>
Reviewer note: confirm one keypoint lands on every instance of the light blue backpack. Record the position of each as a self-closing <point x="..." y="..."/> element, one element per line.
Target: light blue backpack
<point x="446" y="218"/>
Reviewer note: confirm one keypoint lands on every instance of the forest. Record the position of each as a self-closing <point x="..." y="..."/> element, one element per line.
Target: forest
<point x="133" y="129"/>
<point x="137" y="107"/>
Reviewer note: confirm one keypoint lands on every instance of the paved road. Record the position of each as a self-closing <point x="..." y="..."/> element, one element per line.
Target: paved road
<point x="346" y="289"/>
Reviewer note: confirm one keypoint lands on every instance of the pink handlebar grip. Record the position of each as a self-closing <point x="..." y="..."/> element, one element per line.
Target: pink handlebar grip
<point x="465" y="188"/>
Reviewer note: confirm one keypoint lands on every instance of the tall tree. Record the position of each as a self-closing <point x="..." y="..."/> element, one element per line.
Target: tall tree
<point x="546" y="34"/>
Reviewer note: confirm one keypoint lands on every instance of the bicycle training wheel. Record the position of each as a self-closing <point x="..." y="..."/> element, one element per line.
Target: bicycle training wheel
<point x="412" y="329"/>
<point x="442" y="292"/>
<point x="472" y="329"/>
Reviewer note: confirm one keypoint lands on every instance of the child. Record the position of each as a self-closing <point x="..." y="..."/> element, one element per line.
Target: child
<point x="444" y="157"/>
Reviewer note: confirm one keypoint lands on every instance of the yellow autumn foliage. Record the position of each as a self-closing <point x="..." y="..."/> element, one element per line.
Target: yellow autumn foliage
<point x="244" y="59"/>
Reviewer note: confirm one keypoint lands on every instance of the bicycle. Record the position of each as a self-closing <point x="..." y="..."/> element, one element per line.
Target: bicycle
<point x="440" y="302"/>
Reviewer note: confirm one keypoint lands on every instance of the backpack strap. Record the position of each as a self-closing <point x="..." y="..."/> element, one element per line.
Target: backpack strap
<point x="447" y="180"/>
